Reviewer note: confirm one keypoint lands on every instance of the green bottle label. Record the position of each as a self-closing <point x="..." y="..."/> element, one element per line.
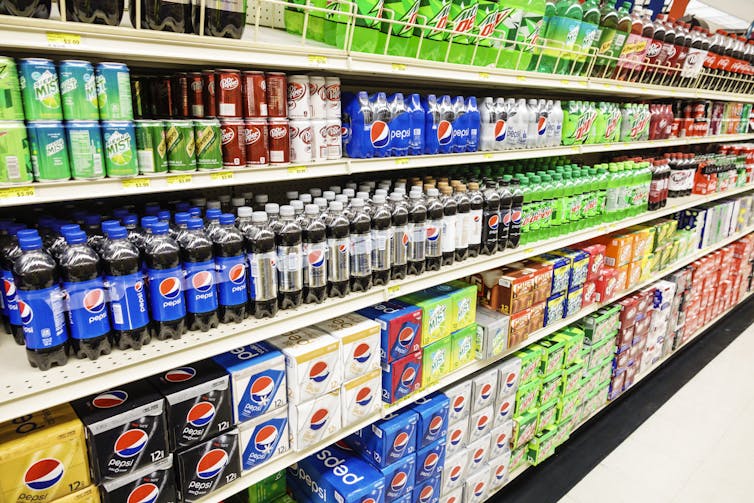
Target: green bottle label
<point x="462" y="23"/>
<point x="438" y="15"/>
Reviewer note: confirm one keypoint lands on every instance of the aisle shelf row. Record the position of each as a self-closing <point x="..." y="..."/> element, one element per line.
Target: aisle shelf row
<point x="639" y="378"/>
<point x="261" y="47"/>
<point x="25" y="389"/>
<point x="70" y="190"/>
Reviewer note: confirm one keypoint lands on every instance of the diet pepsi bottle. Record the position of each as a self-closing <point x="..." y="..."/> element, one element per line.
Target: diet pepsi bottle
<point x="338" y="251"/>
<point x="230" y="268"/>
<point x="435" y="237"/>
<point x="506" y="213"/>
<point x="490" y="221"/>
<point x="262" y="255"/>
<point x="164" y="277"/>
<point x="289" y="254"/>
<point x="417" y="233"/>
<point x="85" y="300"/>
<point x="476" y="205"/>
<point x="40" y="303"/>
<point x="126" y="291"/>
<point x="314" y="237"/>
<point x="361" y="247"/>
<point x="449" y="225"/>
<point x="381" y="237"/>
<point x="399" y="237"/>
<point x="517" y="203"/>
<point x="472" y="123"/>
<point x="199" y="277"/>
<point x="9" y="252"/>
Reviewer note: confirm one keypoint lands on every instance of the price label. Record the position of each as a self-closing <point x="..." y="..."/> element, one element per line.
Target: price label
<point x="399" y="67"/>
<point x="221" y="175"/>
<point x="63" y="40"/>
<point x="575" y="149"/>
<point x="296" y="170"/>
<point x="136" y="183"/>
<point x="394" y="290"/>
<point x="520" y="78"/>
<point x="401" y="161"/>
<point x="26" y="191"/>
<point x="320" y="60"/>
<point x="529" y="251"/>
<point x="178" y="179"/>
<point x="487" y="155"/>
<point x="484" y="75"/>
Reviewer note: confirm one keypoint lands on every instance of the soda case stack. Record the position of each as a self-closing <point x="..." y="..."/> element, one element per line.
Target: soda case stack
<point x="708" y="118"/>
<point x="518" y="123"/>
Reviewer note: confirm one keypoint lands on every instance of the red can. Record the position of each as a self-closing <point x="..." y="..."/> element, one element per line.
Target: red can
<point x="234" y="143"/>
<point x="277" y="94"/>
<point x="254" y="95"/>
<point x="279" y="142"/>
<point x="181" y="96"/>
<point x="257" y="148"/>
<point x="229" y="94"/>
<point x="196" y="94"/>
<point x="210" y="100"/>
<point x="165" y="100"/>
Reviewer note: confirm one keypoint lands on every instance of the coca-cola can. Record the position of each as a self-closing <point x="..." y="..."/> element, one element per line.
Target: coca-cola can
<point x="210" y="99"/>
<point x="277" y="94"/>
<point x="317" y="98"/>
<point x="279" y="141"/>
<point x="254" y="95"/>
<point x="298" y="97"/>
<point x="229" y="93"/>
<point x="319" y="139"/>
<point x="181" y="96"/>
<point x="196" y="94"/>
<point x="301" y="140"/>
<point x="234" y="142"/>
<point x="332" y="97"/>
<point x="257" y="149"/>
<point x="334" y="139"/>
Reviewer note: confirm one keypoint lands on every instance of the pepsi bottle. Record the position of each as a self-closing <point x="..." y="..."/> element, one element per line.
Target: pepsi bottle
<point x="361" y="247"/>
<point x="490" y="221"/>
<point x="476" y="211"/>
<point x="93" y="228"/>
<point x="381" y="237"/>
<point x="314" y="237"/>
<point x="400" y="125"/>
<point x="506" y="213"/>
<point x="517" y="202"/>
<point x="199" y="277"/>
<point x="416" y="121"/>
<point x="461" y="129"/>
<point x="262" y="255"/>
<point x="417" y="233"/>
<point x="162" y="258"/>
<point x="289" y="252"/>
<point x="399" y="237"/>
<point x="59" y="244"/>
<point x="473" y="120"/>
<point x="230" y="266"/>
<point x="222" y="19"/>
<point x="449" y="225"/>
<point x="463" y="223"/>
<point x="434" y="246"/>
<point x="126" y="291"/>
<point x="338" y="251"/>
<point x="40" y="303"/>
<point x="163" y="16"/>
<point x="9" y="252"/>
<point x="85" y="300"/>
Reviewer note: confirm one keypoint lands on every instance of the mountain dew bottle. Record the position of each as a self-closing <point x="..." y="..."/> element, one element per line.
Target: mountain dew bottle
<point x="597" y="131"/>
<point x="526" y="210"/>
<point x="585" y="39"/>
<point x="488" y="31"/>
<point x="611" y="44"/>
<point x="460" y="41"/>
<point x="563" y="21"/>
<point x="367" y="36"/>
<point x="548" y="210"/>
<point x="556" y="228"/>
<point x="535" y="224"/>
<point x="437" y="16"/>
<point x="401" y="41"/>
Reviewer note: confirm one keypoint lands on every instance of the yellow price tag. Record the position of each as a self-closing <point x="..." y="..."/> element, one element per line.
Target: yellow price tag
<point x="484" y="75"/>
<point x="136" y="183"/>
<point x="487" y="155"/>
<point x="313" y="58"/>
<point x="175" y="179"/>
<point x="529" y="251"/>
<point x="55" y="39"/>
<point x="566" y="82"/>
<point x="401" y="161"/>
<point x="26" y="191"/>
<point x="399" y="67"/>
<point x="296" y="170"/>
<point x="520" y="78"/>
<point x="392" y="291"/>
<point x="221" y="175"/>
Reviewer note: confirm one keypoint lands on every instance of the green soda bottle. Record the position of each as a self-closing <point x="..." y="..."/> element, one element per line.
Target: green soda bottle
<point x="588" y="32"/>
<point x="622" y="31"/>
<point x="437" y="14"/>
<point x="556" y="224"/>
<point x="563" y="23"/>
<point x="401" y="41"/>
<point x="526" y="210"/>
<point x="606" y="34"/>
<point x="597" y="131"/>
<point x="602" y="181"/>
<point x="535" y="182"/>
<point x="612" y="193"/>
<point x="548" y="201"/>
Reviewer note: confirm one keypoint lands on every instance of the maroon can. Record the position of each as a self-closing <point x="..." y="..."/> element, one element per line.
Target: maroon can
<point x="196" y="94"/>
<point x="210" y="100"/>
<point x="165" y="100"/>
<point x="279" y="142"/>
<point x="181" y="96"/>
<point x="234" y="143"/>
<point x="257" y="148"/>
<point x="254" y="95"/>
<point x="277" y="94"/>
<point x="229" y="93"/>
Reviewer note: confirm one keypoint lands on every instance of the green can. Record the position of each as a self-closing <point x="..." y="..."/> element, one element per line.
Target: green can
<point x="209" y="153"/>
<point x="49" y="152"/>
<point x="78" y="90"/>
<point x="179" y="135"/>
<point x="39" y="89"/>
<point x="11" y="107"/>
<point x="15" y="161"/>
<point x="85" y="149"/>
<point x="114" y="92"/>
<point x="119" y="138"/>
<point x="151" y="147"/>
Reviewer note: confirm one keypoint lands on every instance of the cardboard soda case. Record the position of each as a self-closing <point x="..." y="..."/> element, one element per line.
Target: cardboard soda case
<point x="401" y="377"/>
<point x="476" y="487"/>
<point x="432" y="425"/>
<point x="155" y="482"/>
<point x="87" y="495"/>
<point x="400" y="328"/>
<point x="208" y="466"/>
<point x="500" y="439"/>
<point x="480" y="423"/>
<point x="454" y="471"/>
<point x="499" y="471"/>
<point x="436" y="314"/>
<point x="454" y="496"/>
<point x="508" y="376"/>
<point x="484" y="389"/>
<point x="314" y="420"/>
<point x="400" y="478"/>
<point x="463" y="347"/>
<point x="388" y="440"/>
<point x="458" y="437"/>
<point x="459" y="396"/>
<point x="360" y="397"/>
<point x="504" y="408"/>
<point x="263" y="438"/>
<point x="359" y="343"/>
<point x="436" y="361"/>
<point x="430" y="461"/>
<point x="426" y="491"/>
<point x="479" y="453"/>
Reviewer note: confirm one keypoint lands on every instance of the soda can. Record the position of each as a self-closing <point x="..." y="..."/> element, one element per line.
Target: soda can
<point x="277" y="94"/>
<point x="140" y="97"/>
<point x="229" y="94"/>
<point x="319" y="139"/>
<point x="85" y="149"/>
<point x="164" y="97"/>
<point x="11" y="106"/>
<point x="119" y="138"/>
<point x="263" y="438"/>
<point x="39" y="89"/>
<point x="233" y="143"/>
<point x="317" y="97"/>
<point x="208" y="466"/>
<point x="78" y="90"/>
<point x="181" y="96"/>
<point x="151" y="147"/>
<point x="49" y="153"/>
<point x="181" y="145"/>
<point x="280" y="141"/>
<point x="257" y="137"/>
<point x="209" y="153"/>
<point x="332" y="97"/>
<point x="300" y="133"/>
<point x="334" y="140"/>
<point x="254" y="94"/>
<point x="298" y="97"/>
<point x="15" y="158"/>
<point x="196" y="94"/>
<point x="208" y="91"/>
<point x="114" y="92"/>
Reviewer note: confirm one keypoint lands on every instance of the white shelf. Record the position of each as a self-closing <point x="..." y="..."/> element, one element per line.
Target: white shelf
<point x="39" y="193"/>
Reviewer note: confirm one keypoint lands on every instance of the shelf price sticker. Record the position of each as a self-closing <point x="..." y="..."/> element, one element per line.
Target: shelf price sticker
<point x="487" y="155"/>
<point x="316" y="59"/>
<point x="27" y="191"/>
<point x="399" y="67"/>
<point x="136" y="183"/>
<point x="179" y="179"/>
<point x="297" y="170"/>
<point x="393" y="291"/>
<point x="401" y="161"/>
<point x="221" y="175"/>
<point x="521" y="78"/>
<point x="63" y="40"/>
<point x="484" y="75"/>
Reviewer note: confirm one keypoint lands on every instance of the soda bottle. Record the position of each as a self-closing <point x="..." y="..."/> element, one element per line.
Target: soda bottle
<point x="230" y="267"/>
<point x="163" y="15"/>
<point x="449" y="225"/>
<point x="417" y="233"/>
<point x="199" y="271"/>
<point x="490" y="221"/>
<point x="93" y="228"/>
<point x="654" y="56"/>
<point x="314" y="246"/>
<point x="86" y="11"/>
<point x="289" y="246"/>
<point x="40" y="303"/>
<point x="435" y="238"/>
<point x="487" y="121"/>
<point x="381" y="240"/>
<point x="360" y="246"/>
<point x="164" y="277"/>
<point x="620" y="26"/>
<point x="463" y="222"/>
<point x="472" y="124"/>
<point x="588" y="33"/>
<point x="9" y="252"/>
<point x="338" y="251"/>
<point x="517" y="201"/>
<point x="416" y="120"/>
<point x="461" y="126"/>
<point x="222" y="19"/>
<point x="211" y="220"/>
<point x="506" y="213"/>
<point x="85" y="300"/>
<point x="399" y="237"/>
<point x="443" y="126"/>
<point x="476" y="212"/>
<point x="400" y="132"/>
<point x="357" y="120"/>
<point x="629" y="65"/>
<point x="379" y="132"/>
<point x="262" y="255"/>
<point x="563" y="20"/>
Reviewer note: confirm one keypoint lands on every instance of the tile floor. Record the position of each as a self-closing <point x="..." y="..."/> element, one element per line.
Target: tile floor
<point x="696" y="448"/>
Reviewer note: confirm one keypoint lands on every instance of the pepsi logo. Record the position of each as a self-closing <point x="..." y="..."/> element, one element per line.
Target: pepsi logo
<point x="541" y="126"/>
<point x="404" y="239"/>
<point x="181" y="374"/>
<point x="459" y="403"/>
<point x="26" y="312"/>
<point x="110" y="399"/>
<point x="319" y="419"/>
<point x="362" y="353"/>
<point x="456" y="436"/>
<point x="451" y="499"/>
<point x="436" y="425"/>
<point x="144" y="493"/>
<point x="368" y="500"/>
<point x="500" y="472"/>
<point x="430" y="462"/>
<point x="516" y="216"/>
<point x="94" y="300"/>
<point x="230" y="82"/>
<point x="510" y="381"/>
<point x="316" y="258"/>
<point x="201" y="414"/>
<point x="10" y="289"/>
<point x="400" y="442"/>
<point x="406" y="336"/>
<point x="399" y="481"/>
<point x="170" y="288"/>
<point x="479" y="489"/>
<point x="408" y="377"/>
<point x="501" y="441"/>
<point x="211" y="464"/>
<point x="261" y="389"/>
<point x="486" y="392"/>
<point x="482" y="422"/>
<point x="130" y="443"/>
<point x="138" y="286"/>
<point x="44" y="474"/>
<point x="237" y="274"/>
<point x="364" y="396"/>
<point x="477" y="218"/>
<point x="455" y="473"/>
<point x="265" y="438"/>
<point x="500" y="130"/>
<point x="493" y="222"/>
<point x="343" y="445"/>
<point x="202" y="281"/>
<point x="343" y="249"/>
<point x="507" y="218"/>
<point x="478" y="455"/>
<point x="319" y="372"/>
<point x="426" y="494"/>
<point x="444" y="132"/>
<point x="433" y="233"/>
<point x="379" y="134"/>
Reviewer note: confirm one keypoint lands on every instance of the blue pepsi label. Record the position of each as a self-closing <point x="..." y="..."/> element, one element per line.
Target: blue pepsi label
<point x="86" y="307"/>
<point x="128" y="301"/>
<point x="264" y="441"/>
<point x="201" y="296"/>
<point x="430" y="461"/>
<point x="166" y="294"/>
<point x="232" y="283"/>
<point x="405" y="340"/>
<point x="41" y="313"/>
<point x="10" y="298"/>
<point x="265" y="391"/>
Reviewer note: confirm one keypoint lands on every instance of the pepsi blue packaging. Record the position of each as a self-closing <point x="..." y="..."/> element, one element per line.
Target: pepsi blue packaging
<point x="154" y="483"/>
<point x="433" y="419"/>
<point x="438" y="126"/>
<point x="399" y="478"/>
<point x="400" y="328"/>
<point x="379" y="131"/>
<point x="334" y="474"/>
<point x="401" y="132"/>
<point x="416" y="120"/>
<point x="401" y="377"/>
<point x="461" y="126"/>
<point x="197" y="402"/>
<point x="430" y="461"/>
<point x="125" y="429"/>
<point x="387" y="440"/>
<point x="257" y="379"/>
<point x="264" y="438"/>
<point x="427" y="491"/>
<point x="208" y="466"/>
